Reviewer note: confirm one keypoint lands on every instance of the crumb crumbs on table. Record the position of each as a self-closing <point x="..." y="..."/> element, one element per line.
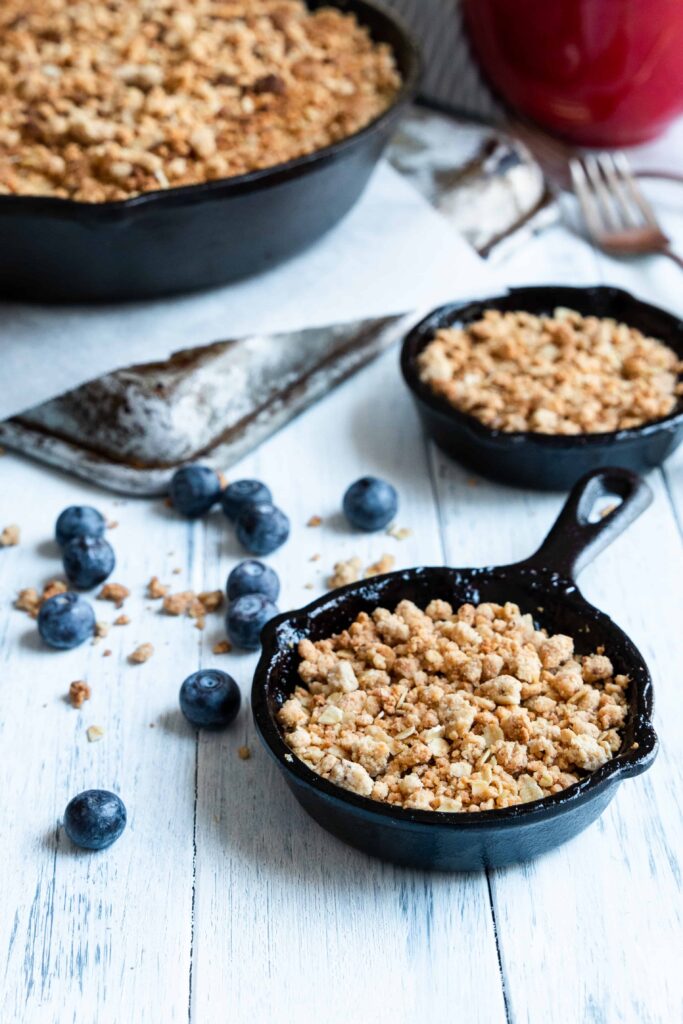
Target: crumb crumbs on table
<point x="141" y="654"/>
<point x="10" y="536"/>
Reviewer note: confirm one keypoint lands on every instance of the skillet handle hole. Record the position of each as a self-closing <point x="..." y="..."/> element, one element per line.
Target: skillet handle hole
<point x="603" y="507"/>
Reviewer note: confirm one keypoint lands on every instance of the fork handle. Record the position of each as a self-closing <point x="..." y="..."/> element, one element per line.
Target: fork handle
<point x="673" y="256"/>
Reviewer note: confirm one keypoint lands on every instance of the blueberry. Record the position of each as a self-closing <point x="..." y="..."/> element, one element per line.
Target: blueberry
<point x="88" y="561"/>
<point x="210" y="698"/>
<point x="95" y="819"/>
<point x="262" y="528"/>
<point x="237" y="496"/>
<point x="245" y="619"/>
<point x="193" y="490"/>
<point x="78" y="521"/>
<point x="253" y="577"/>
<point x="65" y="621"/>
<point x="370" y="504"/>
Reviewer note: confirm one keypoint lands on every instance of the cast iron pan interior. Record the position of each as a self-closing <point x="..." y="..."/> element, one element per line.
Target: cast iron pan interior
<point x="544" y="461"/>
<point x="543" y="584"/>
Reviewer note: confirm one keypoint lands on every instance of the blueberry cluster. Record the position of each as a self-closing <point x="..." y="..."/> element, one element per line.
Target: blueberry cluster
<point x="67" y="620"/>
<point x="260" y="525"/>
<point x="252" y="591"/>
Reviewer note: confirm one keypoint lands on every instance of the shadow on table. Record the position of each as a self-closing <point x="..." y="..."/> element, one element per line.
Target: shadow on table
<point x="246" y="809"/>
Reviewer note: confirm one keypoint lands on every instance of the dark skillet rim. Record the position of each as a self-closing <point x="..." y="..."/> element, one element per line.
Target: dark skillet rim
<point x="623" y="765"/>
<point x="447" y="314"/>
<point x="223" y="188"/>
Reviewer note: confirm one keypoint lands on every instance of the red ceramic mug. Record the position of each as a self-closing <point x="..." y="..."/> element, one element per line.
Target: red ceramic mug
<point x="599" y="72"/>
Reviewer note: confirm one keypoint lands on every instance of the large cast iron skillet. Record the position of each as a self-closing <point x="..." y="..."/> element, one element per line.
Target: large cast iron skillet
<point x="543" y="584"/>
<point x="200" y="235"/>
<point x="544" y="461"/>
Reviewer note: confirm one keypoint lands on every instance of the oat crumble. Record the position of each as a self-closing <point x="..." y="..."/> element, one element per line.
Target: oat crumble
<point x="94" y="733"/>
<point x="79" y="692"/>
<point x="352" y="570"/>
<point x="466" y="710"/>
<point x="29" y="600"/>
<point x="104" y="99"/>
<point x="10" y="536"/>
<point x="115" y="592"/>
<point x="565" y="374"/>
<point x="141" y="654"/>
<point x="156" y="589"/>
<point x="222" y="647"/>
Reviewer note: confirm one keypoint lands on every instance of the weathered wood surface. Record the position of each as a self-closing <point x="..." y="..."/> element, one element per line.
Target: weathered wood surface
<point x="222" y="901"/>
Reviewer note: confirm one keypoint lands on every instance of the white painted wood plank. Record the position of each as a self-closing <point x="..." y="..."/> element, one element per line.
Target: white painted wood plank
<point x="94" y="936"/>
<point x="286" y="917"/>
<point x="590" y="932"/>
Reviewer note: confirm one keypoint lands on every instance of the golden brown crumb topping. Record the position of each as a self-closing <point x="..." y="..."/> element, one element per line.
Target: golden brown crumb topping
<point x="10" y="536"/>
<point x="115" y="592"/>
<point x="79" y="692"/>
<point x="141" y="654"/>
<point x="565" y="374"/>
<point x="466" y="710"/>
<point x="103" y="99"/>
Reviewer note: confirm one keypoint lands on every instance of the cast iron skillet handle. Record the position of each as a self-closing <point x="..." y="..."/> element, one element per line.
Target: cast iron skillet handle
<point x="573" y="541"/>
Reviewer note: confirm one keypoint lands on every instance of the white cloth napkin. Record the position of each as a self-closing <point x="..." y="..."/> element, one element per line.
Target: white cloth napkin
<point x="392" y="253"/>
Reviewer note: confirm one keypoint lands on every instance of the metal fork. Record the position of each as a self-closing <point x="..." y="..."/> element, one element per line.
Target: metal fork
<point x="618" y="217"/>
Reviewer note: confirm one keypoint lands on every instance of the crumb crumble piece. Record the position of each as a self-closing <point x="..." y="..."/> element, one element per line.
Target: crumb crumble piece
<point x="114" y="592"/>
<point x="79" y="692"/>
<point x="399" y="532"/>
<point x="29" y="600"/>
<point x="222" y="647"/>
<point x="156" y="589"/>
<point x="10" y="536"/>
<point x="121" y="620"/>
<point x="345" y="572"/>
<point x="244" y="753"/>
<point x="314" y="521"/>
<point x="385" y="564"/>
<point x="94" y="733"/>
<point x="141" y="654"/>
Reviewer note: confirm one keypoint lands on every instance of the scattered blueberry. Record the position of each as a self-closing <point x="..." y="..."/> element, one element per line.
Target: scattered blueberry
<point x="210" y="698"/>
<point x="237" y="496"/>
<point x="370" y="504"/>
<point x="88" y="561"/>
<point x="95" y="819"/>
<point x="262" y="528"/>
<point x="245" y="619"/>
<point x="78" y="521"/>
<point x="193" y="490"/>
<point x="253" y="577"/>
<point x="65" y="621"/>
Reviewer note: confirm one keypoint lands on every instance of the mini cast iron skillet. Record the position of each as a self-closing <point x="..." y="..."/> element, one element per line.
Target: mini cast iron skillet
<point x="198" y="236"/>
<point x="543" y="584"/>
<point x="544" y="461"/>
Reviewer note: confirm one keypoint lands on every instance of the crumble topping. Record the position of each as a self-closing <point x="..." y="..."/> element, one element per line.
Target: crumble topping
<point x="565" y="374"/>
<point x="222" y="647"/>
<point x="79" y="692"/>
<point x="10" y="536"/>
<point x="115" y="592"/>
<point x="29" y="600"/>
<point x="104" y="100"/>
<point x="141" y="654"/>
<point x="351" y="570"/>
<point x="466" y="710"/>
<point x="94" y="733"/>
<point x="156" y="589"/>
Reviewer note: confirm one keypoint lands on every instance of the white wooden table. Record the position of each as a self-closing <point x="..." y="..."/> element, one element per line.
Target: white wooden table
<point x="223" y="901"/>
